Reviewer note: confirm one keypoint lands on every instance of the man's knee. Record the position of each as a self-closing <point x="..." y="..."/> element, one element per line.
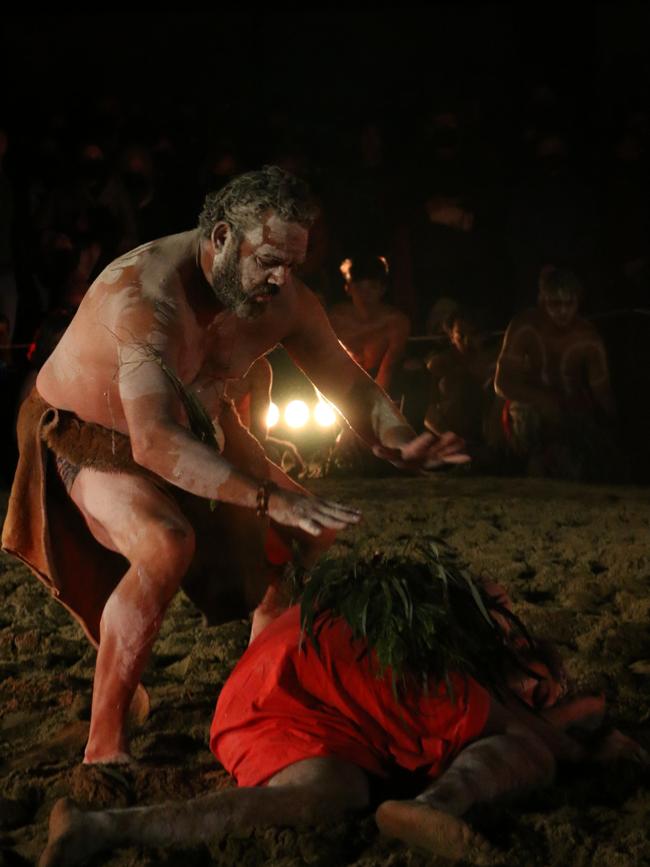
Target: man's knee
<point x="334" y="782"/>
<point x="169" y="547"/>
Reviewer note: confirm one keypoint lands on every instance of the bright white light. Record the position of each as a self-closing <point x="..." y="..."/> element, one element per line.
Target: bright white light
<point x="324" y="414"/>
<point x="273" y="415"/>
<point x="296" y="413"/>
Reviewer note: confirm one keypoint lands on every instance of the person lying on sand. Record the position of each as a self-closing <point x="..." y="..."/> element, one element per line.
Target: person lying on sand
<point x="306" y="725"/>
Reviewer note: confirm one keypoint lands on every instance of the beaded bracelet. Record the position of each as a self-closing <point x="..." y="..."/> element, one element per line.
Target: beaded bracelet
<point x="263" y="493"/>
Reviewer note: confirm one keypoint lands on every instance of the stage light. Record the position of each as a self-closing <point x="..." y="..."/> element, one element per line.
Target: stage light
<point x="273" y="415"/>
<point x="324" y="414"/>
<point x="296" y="414"/>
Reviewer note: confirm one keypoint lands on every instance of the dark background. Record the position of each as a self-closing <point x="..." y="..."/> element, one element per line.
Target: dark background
<point x="238" y="90"/>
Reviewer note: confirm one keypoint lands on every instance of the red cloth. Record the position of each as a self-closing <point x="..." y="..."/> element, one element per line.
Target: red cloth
<point x="281" y="705"/>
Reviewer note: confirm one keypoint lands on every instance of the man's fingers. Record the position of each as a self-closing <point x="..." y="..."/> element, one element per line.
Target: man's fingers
<point x="315" y="523"/>
<point x="310" y="526"/>
<point x="457" y="459"/>
<point x="418" y="447"/>
<point x="434" y="463"/>
<point x="449" y="437"/>
<point x="386" y="453"/>
<point x="337" y="510"/>
<point x="329" y="522"/>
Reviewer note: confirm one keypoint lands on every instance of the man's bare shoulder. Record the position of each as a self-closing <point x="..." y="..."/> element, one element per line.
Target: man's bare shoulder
<point x="154" y="266"/>
<point x="153" y="276"/>
<point x="302" y="297"/>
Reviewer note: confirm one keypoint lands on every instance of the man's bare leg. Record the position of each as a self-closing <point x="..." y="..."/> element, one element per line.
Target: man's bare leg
<point x="129" y="515"/>
<point x="308" y="792"/>
<point x="509" y="759"/>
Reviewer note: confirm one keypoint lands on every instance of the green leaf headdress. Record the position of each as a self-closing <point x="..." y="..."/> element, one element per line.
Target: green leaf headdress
<point x="420" y="613"/>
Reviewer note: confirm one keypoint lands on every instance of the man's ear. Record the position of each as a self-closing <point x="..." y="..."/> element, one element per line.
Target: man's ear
<point x="219" y="236"/>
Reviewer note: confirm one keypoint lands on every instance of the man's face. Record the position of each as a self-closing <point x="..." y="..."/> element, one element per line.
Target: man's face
<point x="464" y="336"/>
<point x="560" y="307"/>
<point x="251" y="273"/>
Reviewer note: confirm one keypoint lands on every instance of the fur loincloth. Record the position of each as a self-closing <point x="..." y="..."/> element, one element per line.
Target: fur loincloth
<point x="44" y="528"/>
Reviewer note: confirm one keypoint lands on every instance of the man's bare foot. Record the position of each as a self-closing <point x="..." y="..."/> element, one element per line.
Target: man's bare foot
<point x="616" y="745"/>
<point x="419" y="825"/>
<point x="109" y="759"/>
<point x="581" y="711"/>
<point x="70" y="840"/>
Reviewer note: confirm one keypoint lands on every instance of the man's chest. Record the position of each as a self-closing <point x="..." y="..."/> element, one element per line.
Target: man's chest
<point x="560" y="361"/>
<point x="226" y="352"/>
<point x="364" y="338"/>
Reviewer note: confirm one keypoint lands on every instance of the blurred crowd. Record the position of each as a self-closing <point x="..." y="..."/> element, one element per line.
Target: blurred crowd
<point x="506" y="243"/>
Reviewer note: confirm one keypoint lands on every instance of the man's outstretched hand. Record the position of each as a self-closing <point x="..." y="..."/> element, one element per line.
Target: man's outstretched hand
<point x="311" y="514"/>
<point x="426" y="452"/>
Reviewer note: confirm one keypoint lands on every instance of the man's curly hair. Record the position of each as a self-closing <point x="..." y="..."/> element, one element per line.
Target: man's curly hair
<point x="243" y="201"/>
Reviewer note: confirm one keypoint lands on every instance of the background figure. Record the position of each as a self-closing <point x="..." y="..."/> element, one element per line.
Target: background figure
<point x="461" y="385"/>
<point x="373" y="332"/>
<point x="554" y="375"/>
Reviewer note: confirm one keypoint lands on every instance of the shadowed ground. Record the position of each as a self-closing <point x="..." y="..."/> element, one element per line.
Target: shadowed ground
<point x="575" y="559"/>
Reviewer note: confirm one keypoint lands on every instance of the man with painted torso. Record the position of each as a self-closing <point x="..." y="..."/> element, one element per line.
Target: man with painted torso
<point x="553" y="373"/>
<point x="199" y="308"/>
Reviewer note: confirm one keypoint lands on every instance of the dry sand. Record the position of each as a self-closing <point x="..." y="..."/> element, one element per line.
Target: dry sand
<point x="576" y="560"/>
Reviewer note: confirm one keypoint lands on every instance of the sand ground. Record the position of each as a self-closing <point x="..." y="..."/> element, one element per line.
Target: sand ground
<point x="575" y="559"/>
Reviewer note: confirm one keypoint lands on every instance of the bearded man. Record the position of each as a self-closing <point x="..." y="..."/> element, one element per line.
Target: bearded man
<point x="110" y="504"/>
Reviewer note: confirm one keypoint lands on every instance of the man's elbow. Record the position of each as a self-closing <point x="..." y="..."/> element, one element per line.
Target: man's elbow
<point x="146" y="448"/>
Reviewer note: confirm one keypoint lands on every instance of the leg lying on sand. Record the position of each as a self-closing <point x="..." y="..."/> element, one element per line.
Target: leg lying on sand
<point x="307" y="792"/>
<point x="510" y="759"/>
<point x="516" y="754"/>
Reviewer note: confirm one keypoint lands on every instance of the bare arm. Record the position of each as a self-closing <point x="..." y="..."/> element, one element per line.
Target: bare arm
<point x="598" y="378"/>
<point x="437" y="368"/>
<point x="516" y="366"/>
<point x="364" y="404"/>
<point x="164" y="445"/>
<point x="400" y="330"/>
<point x="436" y="365"/>
<point x="160" y="441"/>
<point x="261" y="380"/>
<point x="366" y="407"/>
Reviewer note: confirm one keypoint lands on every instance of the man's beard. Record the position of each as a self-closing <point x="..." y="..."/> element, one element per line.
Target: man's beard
<point x="227" y="286"/>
